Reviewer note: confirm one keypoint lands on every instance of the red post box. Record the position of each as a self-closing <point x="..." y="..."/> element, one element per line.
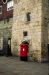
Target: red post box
<point x="24" y="52"/>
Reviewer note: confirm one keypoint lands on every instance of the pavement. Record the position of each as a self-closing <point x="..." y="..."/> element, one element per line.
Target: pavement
<point x="13" y="66"/>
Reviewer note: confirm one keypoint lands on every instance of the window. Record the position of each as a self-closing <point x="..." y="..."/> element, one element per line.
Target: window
<point x="28" y="16"/>
<point x="10" y="5"/>
<point x="0" y="9"/>
<point x="4" y="1"/>
<point x="25" y="33"/>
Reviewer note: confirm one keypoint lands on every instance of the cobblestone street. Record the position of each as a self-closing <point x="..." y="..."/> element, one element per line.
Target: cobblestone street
<point x="13" y="66"/>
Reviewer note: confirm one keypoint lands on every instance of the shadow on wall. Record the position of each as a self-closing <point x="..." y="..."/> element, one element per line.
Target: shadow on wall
<point x="44" y="33"/>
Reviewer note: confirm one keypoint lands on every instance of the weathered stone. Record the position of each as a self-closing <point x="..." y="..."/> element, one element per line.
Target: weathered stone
<point x="37" y="27"/>
<point x="5" y="30"/>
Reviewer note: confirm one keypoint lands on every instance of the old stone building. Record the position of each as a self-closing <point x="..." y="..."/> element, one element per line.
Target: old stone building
<point x="6" y="20"/>
<point x="30" y="23"/>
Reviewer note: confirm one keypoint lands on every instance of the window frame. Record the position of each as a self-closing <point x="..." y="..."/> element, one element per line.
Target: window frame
<point x="9" y="8"/>
<point x="4" y="2"/>
<point x="1" y="9"/>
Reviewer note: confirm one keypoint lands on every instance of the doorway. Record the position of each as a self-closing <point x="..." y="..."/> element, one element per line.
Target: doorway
<point x="7" y="46"/>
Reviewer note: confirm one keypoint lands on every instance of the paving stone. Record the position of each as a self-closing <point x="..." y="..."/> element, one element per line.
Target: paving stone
<point x="13" y="66"/>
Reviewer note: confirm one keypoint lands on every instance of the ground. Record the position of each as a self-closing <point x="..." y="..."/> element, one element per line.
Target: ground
<point x="13" y="66"/>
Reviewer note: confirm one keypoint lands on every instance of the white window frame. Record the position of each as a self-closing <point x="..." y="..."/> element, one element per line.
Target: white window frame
<point x="1" y="9"/>
<point x="4" y="2"/>
<point x="9" y="5"/>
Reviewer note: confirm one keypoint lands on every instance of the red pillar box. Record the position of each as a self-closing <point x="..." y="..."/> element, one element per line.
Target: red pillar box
<point x="24" y="52"/>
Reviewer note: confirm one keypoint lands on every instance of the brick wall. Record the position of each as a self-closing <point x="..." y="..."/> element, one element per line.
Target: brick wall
<point x="5" y="13"/>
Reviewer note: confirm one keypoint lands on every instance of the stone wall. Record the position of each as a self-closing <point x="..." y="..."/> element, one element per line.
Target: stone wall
<point x="5" y="30"/>
<point x="33" y="27"/>
<point x="37" y="32"/>
<point x="48" y="33"/>
<point x="44" y="30"/>
<point x="48" y="21"/>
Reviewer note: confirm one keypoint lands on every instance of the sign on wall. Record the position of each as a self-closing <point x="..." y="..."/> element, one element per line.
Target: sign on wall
<point x="10" y="5"/>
